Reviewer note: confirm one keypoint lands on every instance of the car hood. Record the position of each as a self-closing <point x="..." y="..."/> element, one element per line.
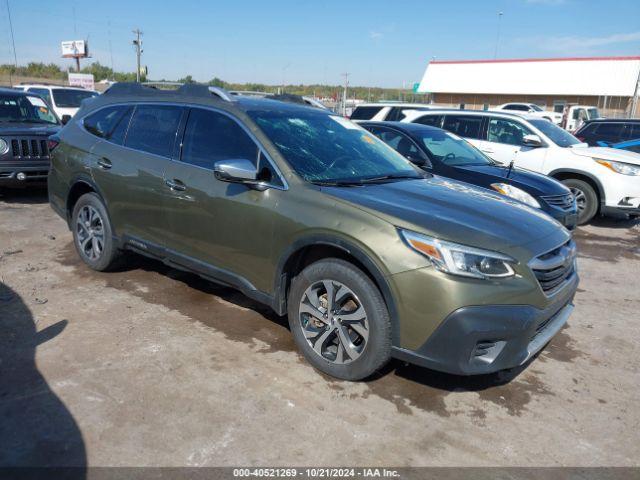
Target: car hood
<point x="454" y="211"/>
<point x="531" y="182"/>
<point x="607" y="153"/>
<point x="13" y="129"/>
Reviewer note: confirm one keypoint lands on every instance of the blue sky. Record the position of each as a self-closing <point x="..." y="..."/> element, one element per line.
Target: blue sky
<point x="381" y="43"/>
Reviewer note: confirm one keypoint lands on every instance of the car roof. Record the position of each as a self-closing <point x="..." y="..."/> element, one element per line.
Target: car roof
<point x="403" y="126"/>
<point x="457" y="111"/>
<point x="200" y="95"/>
<point x="394" y="104"/>
<point x="17" y="93"/>
<point x="57" y="87"/>
<point x="613" y="120"/>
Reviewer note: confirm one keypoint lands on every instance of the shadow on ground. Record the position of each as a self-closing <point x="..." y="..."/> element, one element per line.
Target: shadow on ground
<point x="36" y="428"/>
<point x="242" y="320"/>
<point x="28" y="195"/>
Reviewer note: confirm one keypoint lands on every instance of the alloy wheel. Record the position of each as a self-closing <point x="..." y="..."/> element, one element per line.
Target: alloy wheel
<point x="581" y="199"/>
<point x="334" y="321"/>
<point x="90" y="232"/>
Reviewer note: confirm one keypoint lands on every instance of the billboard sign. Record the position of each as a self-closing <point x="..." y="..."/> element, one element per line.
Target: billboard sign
<point x="84" y="80"/>
<point x="74" y="48"/>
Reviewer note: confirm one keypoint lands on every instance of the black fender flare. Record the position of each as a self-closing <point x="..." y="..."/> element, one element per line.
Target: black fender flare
<point x="582" y="173"/>
<point x="281" y="281"/>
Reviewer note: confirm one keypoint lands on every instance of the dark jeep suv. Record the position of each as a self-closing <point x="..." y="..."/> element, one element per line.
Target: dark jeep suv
<point x="305" y="211"/>
<point x="26" y="121"/>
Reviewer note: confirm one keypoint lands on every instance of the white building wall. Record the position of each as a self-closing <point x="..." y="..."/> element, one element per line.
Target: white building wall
<point x="611" y="76"/>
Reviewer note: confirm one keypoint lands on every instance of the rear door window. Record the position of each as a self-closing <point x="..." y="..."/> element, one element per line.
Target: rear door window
<point x="365" y="113"/>
<point x="611" y="132"/>
<point x="466" y="126"/>
<point x="153" y="129"/>
<point x="109" y="121"/>
<point x="432" y="120"/>
<point x="506" y="131"/>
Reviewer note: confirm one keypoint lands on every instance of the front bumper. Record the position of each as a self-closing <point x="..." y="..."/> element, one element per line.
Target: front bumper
<point x="569" y="219"/>
<point x="34" y="172"/>
<point x="484" y="339"/>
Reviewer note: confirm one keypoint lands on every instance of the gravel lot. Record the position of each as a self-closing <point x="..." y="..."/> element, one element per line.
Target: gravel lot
<point x="151" y="366"/>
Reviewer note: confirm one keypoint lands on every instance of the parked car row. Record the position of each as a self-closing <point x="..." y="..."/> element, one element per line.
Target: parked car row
<point x="603" y="180"/>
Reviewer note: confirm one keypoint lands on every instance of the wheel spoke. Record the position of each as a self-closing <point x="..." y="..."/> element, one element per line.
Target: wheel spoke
<point x="349" y="348"/>
<point x="357" y="315"/>
<point x="360" y="329"/>
<point x="84" y="242"/>
<point x="330" y="288"/>
<point x="320" y="340"/>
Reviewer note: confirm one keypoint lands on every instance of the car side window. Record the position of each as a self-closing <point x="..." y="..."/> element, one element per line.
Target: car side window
<point x="400" y="143"/>
<point x="611" y="131"/>
<point x="211" y="136"/>
<point x="506" y="131"/>
<point x="365" y="113"/>
<point x="105" y="121"/>
<point x="43" y="92"/>
<point x="432" y="120"/>
<point x="466" y="126"/>
<point x="153" y="129"/>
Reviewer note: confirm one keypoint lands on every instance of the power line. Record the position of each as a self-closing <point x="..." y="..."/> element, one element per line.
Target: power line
<point x="13" y="41"/>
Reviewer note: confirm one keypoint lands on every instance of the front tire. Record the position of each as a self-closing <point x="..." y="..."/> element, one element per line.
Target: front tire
<point x="339" y="320"/>
<point x="586" y="199"/>
<point x="92" y="233"/>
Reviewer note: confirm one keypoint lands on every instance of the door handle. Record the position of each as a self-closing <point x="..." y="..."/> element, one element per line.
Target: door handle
<point x="176" y="185"/>
<point x="104" y="163"/>
<point x="487" y="151"/>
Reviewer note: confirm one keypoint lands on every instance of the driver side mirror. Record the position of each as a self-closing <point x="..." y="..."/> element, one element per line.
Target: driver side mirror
<point x="238" y="171"/>
<point x="65" y="118"/>
<point x="531" y="140"/>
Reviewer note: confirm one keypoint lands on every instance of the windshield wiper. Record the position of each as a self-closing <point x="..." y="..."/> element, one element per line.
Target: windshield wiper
<point x="392" y="176"/>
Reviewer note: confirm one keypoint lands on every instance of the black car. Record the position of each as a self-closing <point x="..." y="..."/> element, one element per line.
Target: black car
<point x="26" y="122"/>
<point x="448" y="155"/>
<point x="606" y="132"/>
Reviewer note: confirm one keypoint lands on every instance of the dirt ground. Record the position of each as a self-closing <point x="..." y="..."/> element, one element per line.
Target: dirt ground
<point x="150" y="366"/>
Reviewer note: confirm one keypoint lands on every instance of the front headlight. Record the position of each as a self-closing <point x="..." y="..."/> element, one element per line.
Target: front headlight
<point x="459" y="259"/>
<point x="4" y="146"/>
<point x="515" y="193"/>
<point x="619" y="167"/>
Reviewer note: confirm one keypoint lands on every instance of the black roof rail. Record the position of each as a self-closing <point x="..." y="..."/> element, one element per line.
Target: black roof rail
<point x="152" y="88"/>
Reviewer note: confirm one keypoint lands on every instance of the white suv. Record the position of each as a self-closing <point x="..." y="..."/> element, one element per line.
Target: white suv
<point x="64" y="100"/>
<point x="531" y="109"/>
<point x="603" y="180"/>
<point x="386" y="111"/>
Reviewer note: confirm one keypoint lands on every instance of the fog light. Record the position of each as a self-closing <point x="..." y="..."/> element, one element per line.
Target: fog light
<point x="21" y="176"/>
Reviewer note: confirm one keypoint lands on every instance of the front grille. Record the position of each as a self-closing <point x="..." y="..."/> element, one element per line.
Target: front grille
<point x="29" y="148"/>
<point x="562" y="201"/>
<point x="554" y="268"/>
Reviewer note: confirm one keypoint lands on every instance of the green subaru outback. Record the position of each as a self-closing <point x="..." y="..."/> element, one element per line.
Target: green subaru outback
<point x="370" y="257"/>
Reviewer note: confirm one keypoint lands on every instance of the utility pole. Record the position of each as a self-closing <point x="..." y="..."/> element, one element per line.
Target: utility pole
<point x="634" y="101"/>
<point x="344" y="94"/>
<point x="137" y="43"/>
<point x="495" y="52"/>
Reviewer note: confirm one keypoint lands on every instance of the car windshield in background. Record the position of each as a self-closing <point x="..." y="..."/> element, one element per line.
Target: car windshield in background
<point x="537" y="108"/>
<point x="560" y="137"/>
<point x="452" y="150"/>
<point x="25" y="109"/>
<point x="64" y="98"/>
<point x="327" y="148"/>
<point x="593" y="113"/>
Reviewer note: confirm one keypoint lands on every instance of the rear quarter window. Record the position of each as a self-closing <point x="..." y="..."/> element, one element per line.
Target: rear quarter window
<point x="107" y="121"/>
<point x="365" y="113"/>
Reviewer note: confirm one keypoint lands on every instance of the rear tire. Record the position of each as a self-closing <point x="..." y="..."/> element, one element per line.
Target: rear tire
<point x="92" y="233"/>
<point x="586" y="198"/>
<point x="339" y="320"/>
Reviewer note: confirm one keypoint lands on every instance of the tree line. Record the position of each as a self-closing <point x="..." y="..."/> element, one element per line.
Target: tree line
<point x="52" y="71"/>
